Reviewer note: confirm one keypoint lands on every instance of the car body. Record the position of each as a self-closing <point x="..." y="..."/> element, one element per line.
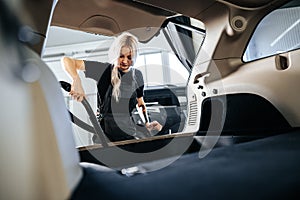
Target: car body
<point x="225" y="90"/>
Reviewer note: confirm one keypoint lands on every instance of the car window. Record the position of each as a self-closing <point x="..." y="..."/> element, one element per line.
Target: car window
<point x="161" y="62"/>
<point x="187" y="35"/>
<point x="277" y="33"/>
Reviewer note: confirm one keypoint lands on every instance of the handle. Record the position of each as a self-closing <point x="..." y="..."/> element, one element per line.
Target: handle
<point x="282" y="61"/>
<point x="98" y="130"/>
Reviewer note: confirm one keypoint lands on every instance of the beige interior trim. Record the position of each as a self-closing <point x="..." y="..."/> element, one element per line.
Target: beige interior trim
<point x="106" y="17"/>
<point x="258" y="77"/>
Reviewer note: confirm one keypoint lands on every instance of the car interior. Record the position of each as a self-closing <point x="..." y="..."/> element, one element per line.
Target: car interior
<point x="220" y="75"/>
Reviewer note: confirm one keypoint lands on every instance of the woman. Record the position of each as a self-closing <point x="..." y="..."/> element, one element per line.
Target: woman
<point x="120" y="88"/>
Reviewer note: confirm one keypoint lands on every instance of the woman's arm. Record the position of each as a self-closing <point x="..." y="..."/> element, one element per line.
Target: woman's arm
<point x="72" y="66"/>
<point x="149" y="125"/>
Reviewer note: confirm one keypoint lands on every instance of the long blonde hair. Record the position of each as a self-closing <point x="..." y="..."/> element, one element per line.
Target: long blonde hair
<point x="124" y="40"/>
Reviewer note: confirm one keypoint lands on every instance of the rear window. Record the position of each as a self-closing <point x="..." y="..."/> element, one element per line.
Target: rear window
<point x="277" y="33"/>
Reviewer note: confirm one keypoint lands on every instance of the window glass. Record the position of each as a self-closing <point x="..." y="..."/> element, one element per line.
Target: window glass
<point x="178" y="73"/>
<point x="151" y="67"/>
<point x="162" y="68"/>
<point x="278" y="32"/>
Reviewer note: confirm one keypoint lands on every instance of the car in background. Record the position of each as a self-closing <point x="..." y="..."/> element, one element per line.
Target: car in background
<point x="221" y="76"/>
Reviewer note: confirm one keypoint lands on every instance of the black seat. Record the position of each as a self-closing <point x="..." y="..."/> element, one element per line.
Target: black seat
<point x="241" y="114"/>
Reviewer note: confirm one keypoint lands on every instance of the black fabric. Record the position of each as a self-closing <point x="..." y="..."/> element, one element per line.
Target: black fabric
<point x="101" y="73"/>
<point x="264" y="169"/>
<point x="116" y="120"/>
<point x="118" y="128"/>
<point x="241" y="114"/>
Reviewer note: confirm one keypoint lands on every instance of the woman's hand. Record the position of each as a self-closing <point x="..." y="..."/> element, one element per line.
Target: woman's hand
<point x="77" y="91"/>
<point x="155" y="125"/>
<point x="71" y="65"/>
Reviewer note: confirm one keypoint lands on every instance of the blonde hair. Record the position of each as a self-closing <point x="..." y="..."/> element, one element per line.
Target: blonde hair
<point x="124" y="40"/>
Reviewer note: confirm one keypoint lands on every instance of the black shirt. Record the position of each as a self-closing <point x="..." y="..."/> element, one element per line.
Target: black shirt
<point x="132" y="84"/>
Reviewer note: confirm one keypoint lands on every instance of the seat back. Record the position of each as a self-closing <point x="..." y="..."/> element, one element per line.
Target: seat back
<point x="37" y="151"/>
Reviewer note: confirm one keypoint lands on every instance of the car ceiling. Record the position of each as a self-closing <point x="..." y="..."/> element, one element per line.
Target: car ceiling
<point x="136" y="11"/>
<point x="107" y="16"/>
